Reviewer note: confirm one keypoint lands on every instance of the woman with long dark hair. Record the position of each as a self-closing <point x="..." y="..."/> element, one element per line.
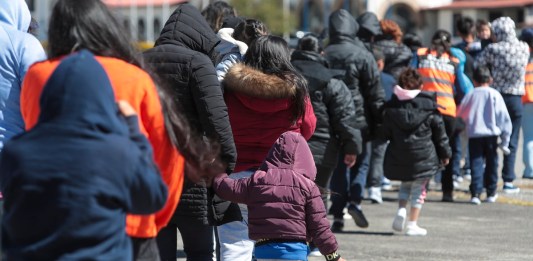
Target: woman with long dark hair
<point x="265" y="97"/>
<point x="88" y="24"/>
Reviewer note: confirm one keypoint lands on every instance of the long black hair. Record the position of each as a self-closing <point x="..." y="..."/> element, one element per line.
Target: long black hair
<point x="248" y="30"/>
<point x="88" y="24"/>
<point x="441" y="42"/>
<point x="215" y="13"/>
<point x="270" y="54"/>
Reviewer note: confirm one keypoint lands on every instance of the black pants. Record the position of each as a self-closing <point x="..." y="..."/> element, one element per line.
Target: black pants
<point x="198" y="242"/>
<point x="447" y="174"/>
<point x="145" y="249"/>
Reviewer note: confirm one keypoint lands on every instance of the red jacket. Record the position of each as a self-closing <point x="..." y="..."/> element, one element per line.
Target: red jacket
<point x="260" y="109"/>
<point x="282" y="197"/>
<point x="135" y="86"/>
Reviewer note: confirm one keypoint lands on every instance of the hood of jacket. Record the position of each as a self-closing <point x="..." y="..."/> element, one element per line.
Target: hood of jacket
<point x="370" y="22"/>
<point x="79" y="96"/>
<point x="299" y="55"/>
<point x="291" y="152"/>
<point x="228" y="43"/>
<point x="15" y="13"/>
<point x="342" y="25"/>
<point x="187" y="27"/>
<point x="257" y="90"/>
<point x="314" y="66"/>
<point x="504" y="29"/>
<point x="408" y="114"/>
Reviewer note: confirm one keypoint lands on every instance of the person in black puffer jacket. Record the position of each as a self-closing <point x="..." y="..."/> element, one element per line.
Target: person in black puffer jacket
<point x="181" y="60"/>
<point x="369" y="29"/>
<point x="346" y="52"/>
<point x="334" y="110"/>
<point x="418" y="146"/>
<point x="397" y="55"/>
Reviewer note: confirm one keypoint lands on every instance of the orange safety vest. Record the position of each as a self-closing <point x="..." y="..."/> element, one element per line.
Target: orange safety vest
<point x="438" y="75"/>
<point x="528" y="97"/>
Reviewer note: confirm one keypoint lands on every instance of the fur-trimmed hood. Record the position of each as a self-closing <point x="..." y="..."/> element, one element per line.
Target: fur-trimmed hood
<point x="252" y="82"/>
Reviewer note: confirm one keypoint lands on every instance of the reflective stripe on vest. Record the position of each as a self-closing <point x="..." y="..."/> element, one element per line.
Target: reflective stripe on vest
<point x="438" y="76"/>
<point x="528" y="97"/>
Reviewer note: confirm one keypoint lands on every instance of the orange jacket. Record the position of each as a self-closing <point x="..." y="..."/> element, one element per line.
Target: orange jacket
<point x="135" y="86"/>
<point x="438" y="75"/>
<point x="528" y="97"/>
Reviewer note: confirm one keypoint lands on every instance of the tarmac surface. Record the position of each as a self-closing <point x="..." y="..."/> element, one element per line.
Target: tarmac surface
<point x="501" y="231"/>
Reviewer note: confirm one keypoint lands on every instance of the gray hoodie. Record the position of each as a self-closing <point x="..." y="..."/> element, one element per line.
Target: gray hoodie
<point x="507" y="58"/>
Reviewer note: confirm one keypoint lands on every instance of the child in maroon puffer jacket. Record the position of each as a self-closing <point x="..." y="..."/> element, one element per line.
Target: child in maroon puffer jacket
<point x="284" y="204"/>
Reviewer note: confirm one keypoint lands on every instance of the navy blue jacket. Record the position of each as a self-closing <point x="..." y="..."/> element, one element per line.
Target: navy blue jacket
<point x="69" y="181"/>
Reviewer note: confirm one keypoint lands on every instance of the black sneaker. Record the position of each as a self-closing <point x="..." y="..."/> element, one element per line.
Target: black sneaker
<point x="358" y="216"/>
<point x="337" y="226"/>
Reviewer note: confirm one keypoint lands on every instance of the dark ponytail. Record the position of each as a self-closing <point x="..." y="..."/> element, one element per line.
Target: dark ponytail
<point x="441" y="42"/>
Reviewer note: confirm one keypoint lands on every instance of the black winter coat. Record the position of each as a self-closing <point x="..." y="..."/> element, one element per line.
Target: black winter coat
<point x="397" y="56"/>
<point x="334" y="110"/>
<point x="181" y="61"/>
<point x="362" y="75"/>
<point x="417" y="138"/>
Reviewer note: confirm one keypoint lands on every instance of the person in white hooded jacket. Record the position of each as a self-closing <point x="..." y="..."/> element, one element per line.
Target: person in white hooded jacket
<point x="235" y="43"/>
<point x="19" y="50"/>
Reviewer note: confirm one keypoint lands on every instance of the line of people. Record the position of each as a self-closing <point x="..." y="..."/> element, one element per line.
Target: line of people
<point x="221" y="132"/>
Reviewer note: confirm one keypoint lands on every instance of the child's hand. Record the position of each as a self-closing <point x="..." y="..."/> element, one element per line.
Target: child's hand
<point x="505" y="150"/>
<point x="349" y="160"/>
<point x="445" y="161"/>
<point x="125" y="108"/>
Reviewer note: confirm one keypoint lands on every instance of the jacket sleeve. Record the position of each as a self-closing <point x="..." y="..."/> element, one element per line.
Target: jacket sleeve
<point x="484" y="58"/>
<point x="234" y="190"/>
<point x="439" y="137"/>
<point x="309" y="121"/>
<point x="341" y="110"/>
<point x="211" y="107"/>
<point x="385" y="132"/>
<point x="32" y="52"/>
<point x="373" y="93"/>
<point x="148" y="193"/>
<point x="227" y="62"/>
<point x="503" y="120"/>
<point x="318" y="224"/>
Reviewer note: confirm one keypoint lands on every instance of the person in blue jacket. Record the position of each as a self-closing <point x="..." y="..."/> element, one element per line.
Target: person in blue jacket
<point x="19" y="50"/>
<point x="69" y="182"/>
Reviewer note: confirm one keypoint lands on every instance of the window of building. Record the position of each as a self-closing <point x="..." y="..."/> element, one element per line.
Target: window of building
<point x="141" y="29"/>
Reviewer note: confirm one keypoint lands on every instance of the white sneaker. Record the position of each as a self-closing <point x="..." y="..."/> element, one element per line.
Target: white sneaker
<point x="415" y="230"/>
<point x="315" y="252"/>
<point x="492" y="199"/>
<point x="399" y="220"/>
<point x="475" y="201"/>
<point x="374" y="194"/>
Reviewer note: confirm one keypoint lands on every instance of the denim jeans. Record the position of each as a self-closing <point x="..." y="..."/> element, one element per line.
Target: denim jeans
<point x="348" y="184"/>
<point x="527" y="131"/>
<point x="483" y="151"/>
<point x="235" y="245"/>
<point x="375" y="171"/>
<point x="198" y="239"/>
<point x="515" y="109"/>
<point x="414" y="191"/>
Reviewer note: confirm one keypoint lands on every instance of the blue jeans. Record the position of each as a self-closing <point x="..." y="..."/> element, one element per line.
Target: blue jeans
<point x="235" y="245"/>
<point x="348" y="184"/>
<point x="483" y="151"/>
<point x="527" y="130"/>
<point x="515" y="108"/>
<point x="375" y="171"/>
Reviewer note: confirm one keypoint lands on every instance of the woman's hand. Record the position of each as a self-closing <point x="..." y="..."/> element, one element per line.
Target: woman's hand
<point x="350" y="159"/>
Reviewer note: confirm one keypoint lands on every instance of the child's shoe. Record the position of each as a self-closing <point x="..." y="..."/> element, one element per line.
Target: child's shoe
<point x="491" y="198"/>
<point x="415" y="230"/>
<point x="374" y="194"/>
<point x="475" y="200"/>
<point x="399" y="220"/>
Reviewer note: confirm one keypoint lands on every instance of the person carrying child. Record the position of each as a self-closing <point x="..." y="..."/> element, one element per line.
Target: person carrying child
<point x="284" y="204"/>
<point x="486" y="118"/>
<point x="418" y="146"/>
